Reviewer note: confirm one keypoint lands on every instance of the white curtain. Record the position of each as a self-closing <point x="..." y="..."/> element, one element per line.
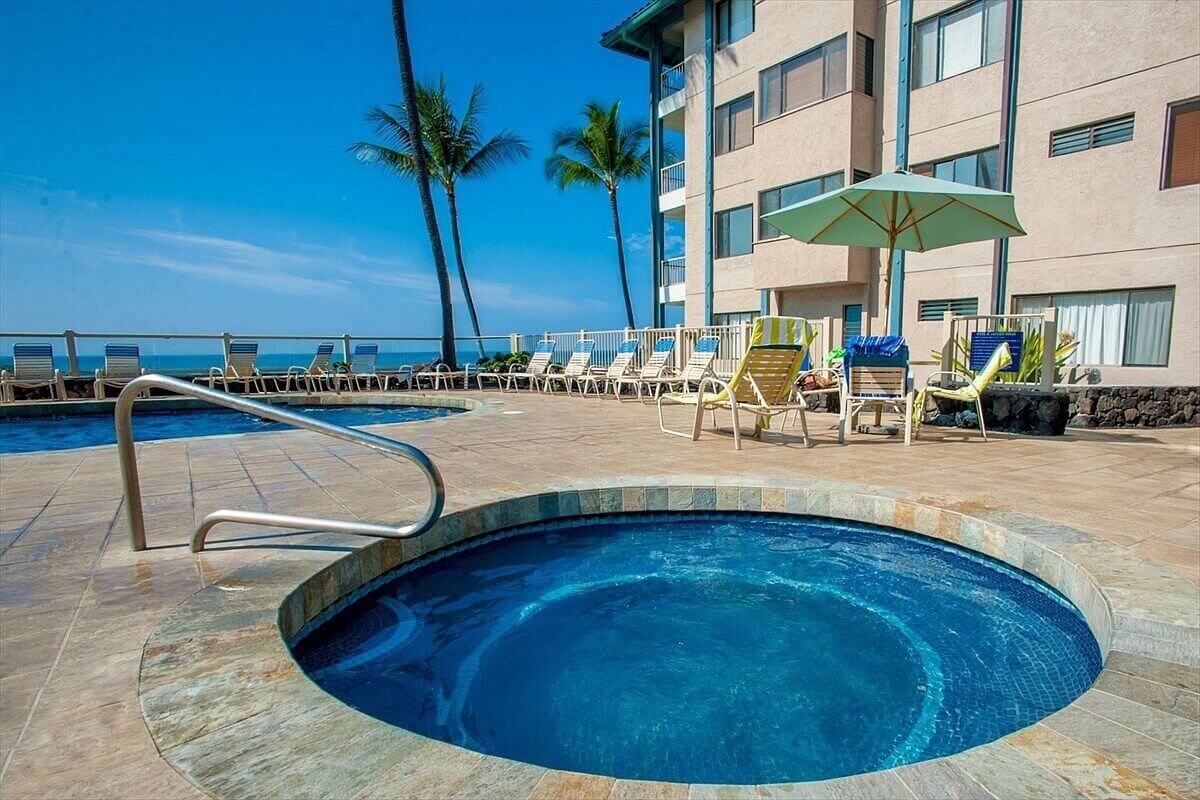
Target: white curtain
<point x="1098" y="320"/>
<point x="926" y="55"/>
<point x="1149" y="335"/>
<point x="962" y="41"/>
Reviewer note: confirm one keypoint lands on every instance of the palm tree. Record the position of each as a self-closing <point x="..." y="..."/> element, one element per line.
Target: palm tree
<point x="602" y="152"/>
<point x="454" y="149"/>
<point x="421" y="171"/>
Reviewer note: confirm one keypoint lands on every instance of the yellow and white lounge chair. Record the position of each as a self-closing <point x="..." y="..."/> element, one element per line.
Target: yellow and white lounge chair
<point x="970" y="393"/>
<point x="761" y="384"/>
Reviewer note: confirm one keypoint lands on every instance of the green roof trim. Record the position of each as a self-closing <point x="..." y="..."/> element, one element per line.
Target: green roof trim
<point x="628" y="37"/>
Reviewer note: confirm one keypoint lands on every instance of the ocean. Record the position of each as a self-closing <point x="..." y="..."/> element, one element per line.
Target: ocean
<point x="267" y="362"/>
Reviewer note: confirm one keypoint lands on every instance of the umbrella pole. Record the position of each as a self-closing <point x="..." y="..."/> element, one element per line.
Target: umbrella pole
<point x="887" y="285"/>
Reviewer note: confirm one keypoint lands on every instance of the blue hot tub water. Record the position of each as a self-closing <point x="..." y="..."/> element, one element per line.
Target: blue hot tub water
<point x="707" y="648"/>
<point x="66" y="432"/>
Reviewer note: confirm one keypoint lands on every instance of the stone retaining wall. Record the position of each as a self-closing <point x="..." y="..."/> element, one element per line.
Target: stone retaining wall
<point x="1134" y="406"/>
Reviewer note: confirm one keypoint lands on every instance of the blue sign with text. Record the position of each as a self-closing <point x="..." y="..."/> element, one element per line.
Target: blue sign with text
<point x="984" y="343"/>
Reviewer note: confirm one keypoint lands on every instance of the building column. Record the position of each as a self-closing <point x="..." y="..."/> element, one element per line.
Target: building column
<point x="895" y="321"/>
<point x="709" y="21"/>
<point x="1008" y="124"/>
<point x="656" y="220"/>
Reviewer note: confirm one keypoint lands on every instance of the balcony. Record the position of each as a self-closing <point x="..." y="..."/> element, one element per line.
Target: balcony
<point x="672" y="275"/>
<point x="671" y="192"/>
<point x="673" y="98"/>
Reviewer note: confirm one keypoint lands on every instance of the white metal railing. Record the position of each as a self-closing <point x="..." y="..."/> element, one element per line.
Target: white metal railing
<point x="957" y="333"/>
<point x="671" y="178"/>
<point x="674" y="79"/>
<point x="673" y="271"/>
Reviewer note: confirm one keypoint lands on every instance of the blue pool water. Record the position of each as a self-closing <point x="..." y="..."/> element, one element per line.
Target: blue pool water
<point x="24" y="435"/>
<point x="736" y="648"/>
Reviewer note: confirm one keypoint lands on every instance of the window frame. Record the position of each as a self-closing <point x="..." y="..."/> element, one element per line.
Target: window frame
<point x="728" y="4"/>
<point x="729" y="125"/>
<point x="725" y="315"/>
<point x="1129" y="292"/>
<point x="759" y="218"/>
<point x="1091" y="128"/>
<point x="848" y="77"/>
<point x="846" y="318"/>
<point x="932" y="164"/>
<point x="1172" y="110"/>
<point x="717" y="231"/>
<point x="938" y="19"/>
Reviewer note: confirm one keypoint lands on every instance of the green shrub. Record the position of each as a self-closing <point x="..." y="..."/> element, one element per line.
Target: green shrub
<point x="500" y="362"/>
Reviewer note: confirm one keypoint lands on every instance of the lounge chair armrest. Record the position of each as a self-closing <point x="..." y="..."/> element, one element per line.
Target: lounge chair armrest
<point x="514" y="369"/>
<point x="714" y="381"/>
<point x="554" y="369"/>
<point x="295" y="370"/>
<point x="99" y="374"/>
<point x="215" y="372"/>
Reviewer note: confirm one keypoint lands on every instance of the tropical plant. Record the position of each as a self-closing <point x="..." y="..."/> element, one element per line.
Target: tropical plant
<point x="454" y="149"/>
<point x="603" y="151"/>
<point x="1029" y="370"/>
<point x="421" y="172"/>
<point x="500" y="362"/>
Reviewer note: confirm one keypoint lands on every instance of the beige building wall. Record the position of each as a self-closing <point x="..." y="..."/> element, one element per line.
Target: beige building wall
<point x="1096" y="220"/>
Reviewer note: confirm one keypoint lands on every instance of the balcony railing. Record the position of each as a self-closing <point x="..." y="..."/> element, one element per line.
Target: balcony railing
<point x="672" y="271"/>
<point x="670" y="178"/>
<point x="674" y="79"/>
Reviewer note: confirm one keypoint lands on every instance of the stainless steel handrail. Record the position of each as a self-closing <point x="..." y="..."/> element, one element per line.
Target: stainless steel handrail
<point x="133" y="489"/>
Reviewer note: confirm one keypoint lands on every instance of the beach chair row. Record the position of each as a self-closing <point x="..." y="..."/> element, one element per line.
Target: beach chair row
<point x="33" y="368"/>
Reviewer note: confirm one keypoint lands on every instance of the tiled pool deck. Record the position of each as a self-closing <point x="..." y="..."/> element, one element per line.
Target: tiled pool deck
<point x="121" y="673"/>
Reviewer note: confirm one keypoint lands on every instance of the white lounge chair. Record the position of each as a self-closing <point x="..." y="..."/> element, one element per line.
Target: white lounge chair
<point x="761" y="384"/>
<point x="361" y="372"/>
<point x="698" y="367"/>
<point x="310" y="377"/>
<point x="577" y="366"/>
<point x="618" y="368"/>
<point x="122" y="363"/>
<point x="652" y="370"/>
<point x="239" y="369"/>
<point x="972" y="392"/>
<point x="33" y="368"/>
<point x="539" y="362"/>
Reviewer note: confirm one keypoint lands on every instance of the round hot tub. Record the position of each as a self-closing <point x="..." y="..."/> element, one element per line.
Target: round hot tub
<point x="706" y="647"/>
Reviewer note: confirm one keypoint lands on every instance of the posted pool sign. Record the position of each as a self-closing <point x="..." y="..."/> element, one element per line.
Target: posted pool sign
<point x="984" y="343"/>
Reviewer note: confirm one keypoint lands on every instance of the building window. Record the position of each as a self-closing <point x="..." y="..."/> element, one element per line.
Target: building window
<point x="734" y="125"/>
<point x="851" y="322"/>
<point x="735" y="20"/>
<point x="735" y="231"/>
<point x="784" y="196"/>
<point x="958" y="41"/>
<point x="934" y="310"/>
<point x="980" y="168"/>
<point x="1129" y="328"/>
<point x="864" y="65"/>
<point x="807" y="78"/>
<point x="1089" y="137"/>
<point x="859" y="176"/>
<point x="1181" y="156"/>
<point x="735" y="318"/>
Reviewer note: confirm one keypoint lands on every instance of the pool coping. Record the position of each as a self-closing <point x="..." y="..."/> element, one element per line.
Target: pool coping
<point x="228" y="707"/>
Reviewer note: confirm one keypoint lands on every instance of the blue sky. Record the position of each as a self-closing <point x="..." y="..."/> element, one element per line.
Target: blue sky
<point x="182" y="167"/>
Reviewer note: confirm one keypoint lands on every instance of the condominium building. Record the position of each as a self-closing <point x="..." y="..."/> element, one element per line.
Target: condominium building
<point x="1087" y="110"/>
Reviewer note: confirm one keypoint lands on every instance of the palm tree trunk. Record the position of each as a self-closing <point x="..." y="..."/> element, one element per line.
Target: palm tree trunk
<point x="431" y="224"/>
<point x="462" y="268"/>
<point x="612" y="199"/>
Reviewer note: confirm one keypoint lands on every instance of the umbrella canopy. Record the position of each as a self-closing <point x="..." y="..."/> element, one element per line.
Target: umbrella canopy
<point x="900" y="211"/>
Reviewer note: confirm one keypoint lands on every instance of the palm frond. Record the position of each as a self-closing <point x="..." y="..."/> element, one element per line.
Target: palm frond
<point x="565" y="171"/>
<point x="397" y="161"/>
<point x="501" y="150"/>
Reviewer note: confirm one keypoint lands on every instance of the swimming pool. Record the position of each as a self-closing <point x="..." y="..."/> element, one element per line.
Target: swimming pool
<point x="63" y="432"/>
<point x="707" y="648"/>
